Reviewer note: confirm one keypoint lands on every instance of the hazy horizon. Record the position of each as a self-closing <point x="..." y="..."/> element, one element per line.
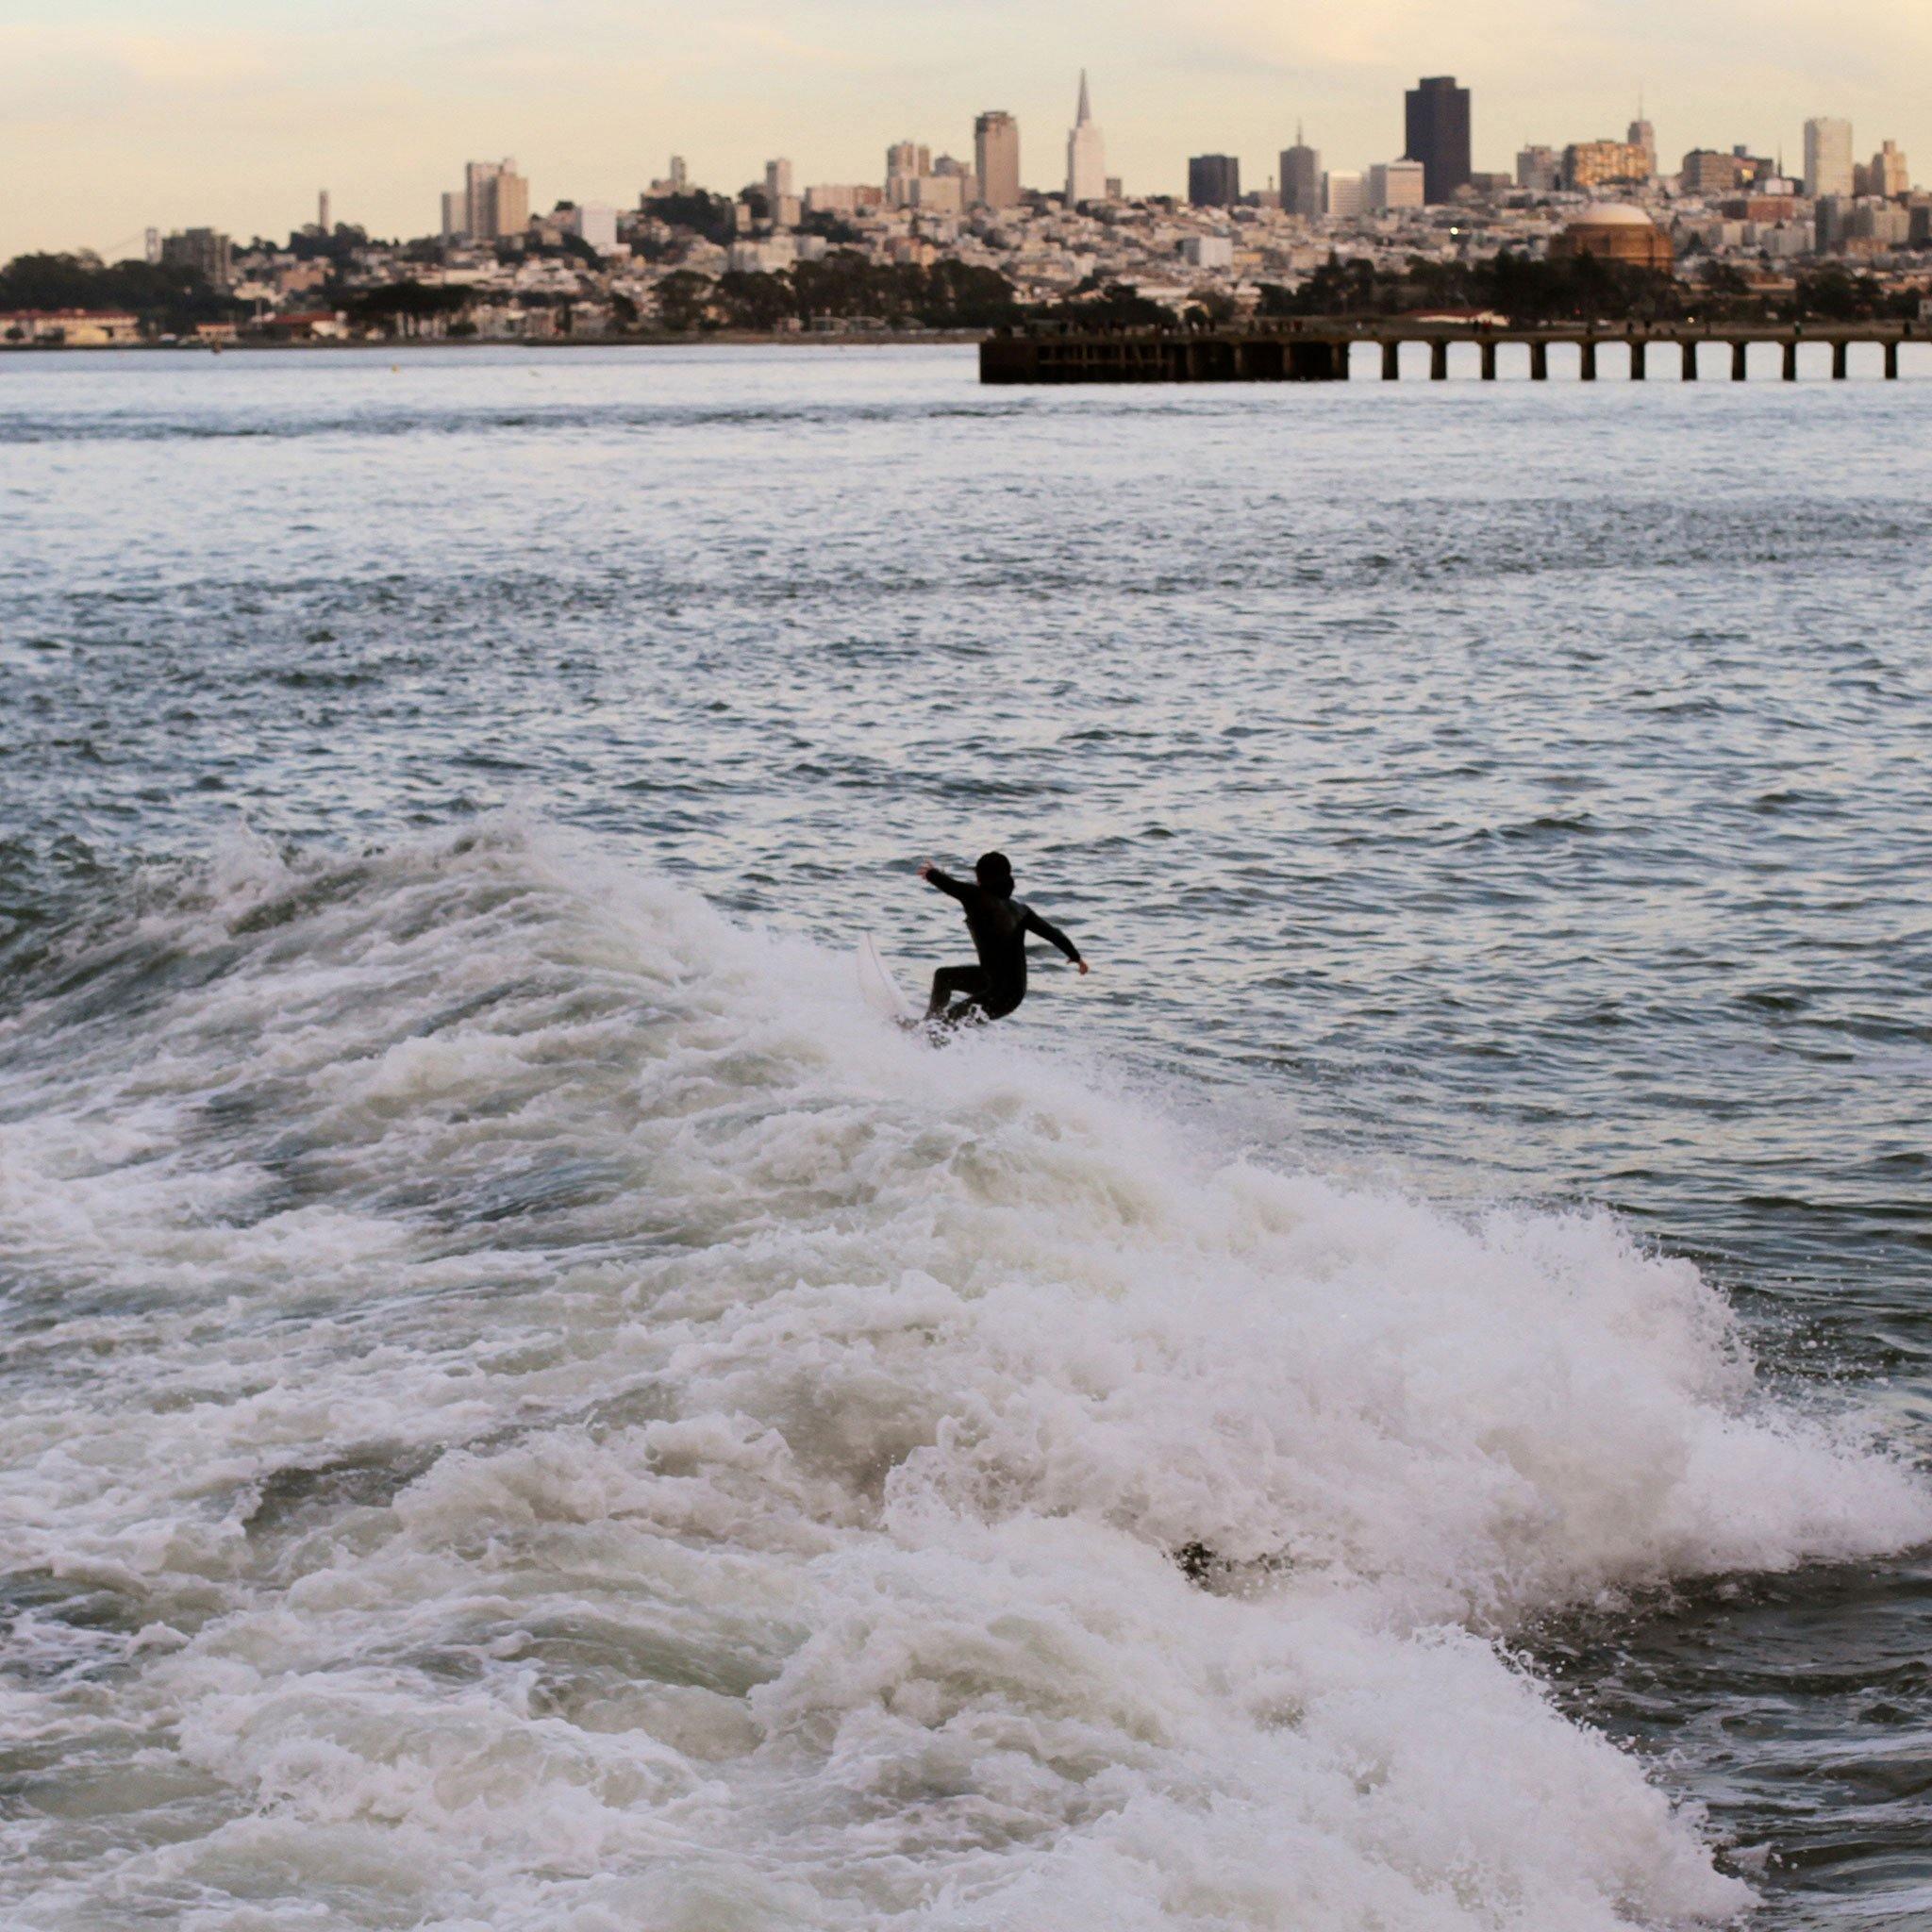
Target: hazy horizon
<point x="233" y="117"/>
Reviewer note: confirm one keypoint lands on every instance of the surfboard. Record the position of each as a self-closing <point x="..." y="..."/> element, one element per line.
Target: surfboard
<point x="877" y="987"/>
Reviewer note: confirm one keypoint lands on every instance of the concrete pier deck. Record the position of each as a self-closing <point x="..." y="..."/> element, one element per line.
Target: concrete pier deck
<point x="1321" y="351"/>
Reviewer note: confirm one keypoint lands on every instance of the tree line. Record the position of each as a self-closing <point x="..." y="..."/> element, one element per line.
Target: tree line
<point x="843" y="287"/>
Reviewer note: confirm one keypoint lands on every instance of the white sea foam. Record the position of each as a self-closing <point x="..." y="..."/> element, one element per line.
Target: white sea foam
<point x="555" y="1419"/>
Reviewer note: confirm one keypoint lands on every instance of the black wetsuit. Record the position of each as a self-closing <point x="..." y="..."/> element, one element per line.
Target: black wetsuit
<point x="999" y="924"/>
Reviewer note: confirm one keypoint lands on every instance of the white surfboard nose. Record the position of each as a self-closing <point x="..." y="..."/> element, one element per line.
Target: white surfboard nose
<point x="877" y="987"/>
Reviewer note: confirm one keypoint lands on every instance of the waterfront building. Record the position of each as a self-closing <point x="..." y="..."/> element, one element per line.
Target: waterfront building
<point x="1300" y="179"/>
<point x="1214" y="181"/>
<point x="1436" y="132"/>
<point x="1614" y="231"/>
<point x="1827" y="156"/>
<point x="996" y="159"/>
<point x="74" y="328"/>
<point x="1086" y="154"/>
<point x="1602" y="164"/>
<point x="1397" y="184"/>
<point x="1344" y="196"/>
<point x="1539" y="169"/>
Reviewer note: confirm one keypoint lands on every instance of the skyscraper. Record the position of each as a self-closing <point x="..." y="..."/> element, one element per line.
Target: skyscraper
<point x="1395" y="185"/>
<point x="1827" y="157"/>
<point x="1890" y="176"/>
<point x="207" y="251"/>
<point x="321" y="220"/>
<point x="996" y="159"/>
<point x="1345" y="194"/>
<point x="1539" y="167"/>
<point x="1086" y="154"/>
<point x="1641" y="134"/>
<point x="906" y="163"/>
<point x="1300" y="179"/>
<point x="509" y="202"/>
<point x="1437" y="135"/>
<point x="1214" y="181"/>
<point x="495" y="201"/>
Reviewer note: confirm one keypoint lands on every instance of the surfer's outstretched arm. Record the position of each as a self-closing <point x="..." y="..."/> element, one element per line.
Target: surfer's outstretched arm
<point x="1054" y="936"/>
<point x="952" y="887"/>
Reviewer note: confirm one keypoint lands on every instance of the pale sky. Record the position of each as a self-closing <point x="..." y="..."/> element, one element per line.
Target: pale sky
<point x="118" y="115"/>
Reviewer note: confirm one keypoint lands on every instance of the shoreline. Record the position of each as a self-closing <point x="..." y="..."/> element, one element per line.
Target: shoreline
<point x="903" y="338"/>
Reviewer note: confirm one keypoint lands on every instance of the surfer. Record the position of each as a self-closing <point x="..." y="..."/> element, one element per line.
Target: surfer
<point x="999" y="924"/>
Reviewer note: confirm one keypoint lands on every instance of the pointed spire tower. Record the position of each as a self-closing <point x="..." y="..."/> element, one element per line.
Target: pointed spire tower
<point x="1086" y="154"/>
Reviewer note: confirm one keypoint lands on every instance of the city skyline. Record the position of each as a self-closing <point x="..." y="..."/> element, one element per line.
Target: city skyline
<point x="234" y="120"/>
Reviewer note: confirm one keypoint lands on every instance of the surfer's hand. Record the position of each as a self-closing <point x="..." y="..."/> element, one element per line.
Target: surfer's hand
<point x="1083" y="969"/>
<point x="926" y="868"/>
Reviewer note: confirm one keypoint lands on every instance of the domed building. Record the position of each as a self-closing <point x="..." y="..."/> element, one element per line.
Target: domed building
<point x="1615" y="231"/>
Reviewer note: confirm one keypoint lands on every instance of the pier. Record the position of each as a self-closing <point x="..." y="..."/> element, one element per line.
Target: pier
<point x="1322" y="351"/>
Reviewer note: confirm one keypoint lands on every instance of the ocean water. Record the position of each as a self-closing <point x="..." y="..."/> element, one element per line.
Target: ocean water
<point x="524" y="1410"/>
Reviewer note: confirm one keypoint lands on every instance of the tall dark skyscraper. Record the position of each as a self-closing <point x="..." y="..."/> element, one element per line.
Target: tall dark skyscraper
<point x="1300" y="179"/>
<point x="1438" y="135"/>
<point x="1214" y="180"/>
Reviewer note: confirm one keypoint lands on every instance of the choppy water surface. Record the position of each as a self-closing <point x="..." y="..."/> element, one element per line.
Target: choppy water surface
<point x="523" y="1408"/>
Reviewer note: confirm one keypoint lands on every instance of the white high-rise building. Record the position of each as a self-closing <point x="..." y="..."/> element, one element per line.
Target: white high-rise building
<point x="1827" y="157"/>
<point x="1086" y="154"/>
<point x="778" y="182"/>
<point x="1345" y="194"/>
<point x="594" y="224"/>
<point x="1396" y="184"/>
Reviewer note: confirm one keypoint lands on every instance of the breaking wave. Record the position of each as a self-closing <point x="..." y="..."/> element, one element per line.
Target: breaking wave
<point x="523" y="1408"/>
